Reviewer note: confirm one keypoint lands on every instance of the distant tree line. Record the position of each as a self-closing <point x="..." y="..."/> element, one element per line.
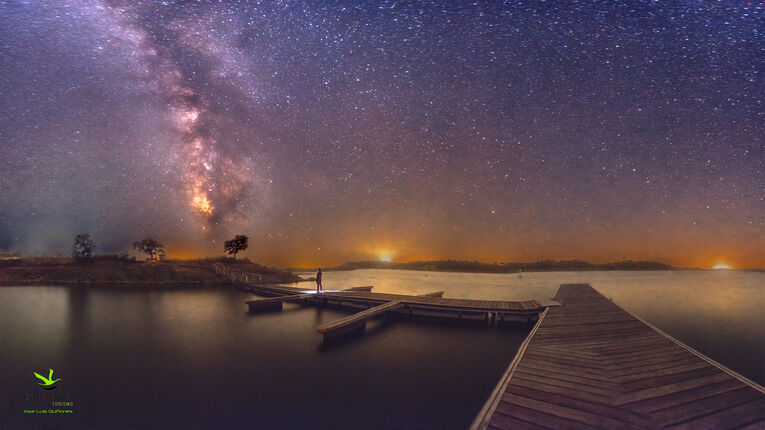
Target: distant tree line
<point x="511" y="267"/>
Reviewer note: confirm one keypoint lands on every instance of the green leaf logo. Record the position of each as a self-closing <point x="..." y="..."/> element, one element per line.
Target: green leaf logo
<point x="47" y="383"/>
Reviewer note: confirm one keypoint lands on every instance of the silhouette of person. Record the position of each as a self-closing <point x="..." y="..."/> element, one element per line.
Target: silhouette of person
<point x="318" y="281"/>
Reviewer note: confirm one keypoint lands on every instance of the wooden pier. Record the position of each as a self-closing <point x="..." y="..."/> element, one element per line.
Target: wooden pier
<point x="282" y="295"/>
<point x="431" y="304"/>
<point x="358" y="321"/>
<point x="274" y="302"/>
<point x="375" y="304"/>
<point x="355" y="322"/>
<point x="589" y="364"/>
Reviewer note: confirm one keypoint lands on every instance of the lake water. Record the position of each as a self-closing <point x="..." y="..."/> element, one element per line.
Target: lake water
<point x="195" y="358"/>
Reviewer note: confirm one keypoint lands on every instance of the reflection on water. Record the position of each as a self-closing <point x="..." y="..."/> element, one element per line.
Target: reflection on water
<point x="721" y="313"/>
<point x="195" y="358"/>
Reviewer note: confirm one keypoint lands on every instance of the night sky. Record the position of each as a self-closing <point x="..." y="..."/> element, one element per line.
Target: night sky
<point x="335" y="131"/>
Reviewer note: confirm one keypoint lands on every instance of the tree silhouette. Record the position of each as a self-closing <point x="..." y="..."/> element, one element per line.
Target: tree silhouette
<point x="149" y="247"/>
<point x="83" y="247"/>
<point x="235" y="245"/>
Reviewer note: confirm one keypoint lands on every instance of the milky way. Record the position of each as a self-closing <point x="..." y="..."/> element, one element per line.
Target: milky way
<point x="333" y="131"/>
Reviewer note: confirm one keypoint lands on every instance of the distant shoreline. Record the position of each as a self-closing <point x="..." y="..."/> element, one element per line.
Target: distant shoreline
<point x="460" y="266"/>
<point x="129" y="284"/>
<point x="304" y="271"/>
<point x="115" y="272"/>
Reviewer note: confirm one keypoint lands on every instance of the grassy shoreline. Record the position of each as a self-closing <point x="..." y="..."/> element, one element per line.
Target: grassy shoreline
<point x="121" y="272"/>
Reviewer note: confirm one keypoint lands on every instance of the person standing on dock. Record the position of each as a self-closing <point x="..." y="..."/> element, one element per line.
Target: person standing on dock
<point x="318" y="281"/>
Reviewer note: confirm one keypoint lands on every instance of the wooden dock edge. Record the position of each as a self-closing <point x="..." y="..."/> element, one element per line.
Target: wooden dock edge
<point x="355" y="322"/>
<point x="481" y="421"/>
<point x="720" y="366"/>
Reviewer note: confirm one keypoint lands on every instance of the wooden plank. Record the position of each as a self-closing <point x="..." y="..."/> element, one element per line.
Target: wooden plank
<point x="659" y="403"/>
<point x="729" y="418"/>
<point x="589" y="319"/>
<point x="691" y="365"/>
<point x="585" y="372"/>
<point x="279" y="299"/>
<point x="363" y="288"/>
<point x="597" y="344"/>
<point x="599" y="328"/>
<point x="662" y="390"/>
<point x="501" y="421"/>
<point x="358" y="317"/>
<point x="568" y="392"/>
<point x="629" y="362"/>
<point x="683" y="359"/>
<point x="561" y="360"/>
<point x="438" y="294"/>
<point x="617" y="347"/>
<point x="644" y="352"/>
<point x="573" y="335"/>
<point x="602" y="383"/>
<point x="569" y="352"/>
<point x="592" y="407"/>
<point x="541" y="366"/>
<point x="520" y="375"/>
<point x="669" y="378"/>
<point x="531" y="415"/>
<point x="688" y="411"/>
<point x="573" y="414"/>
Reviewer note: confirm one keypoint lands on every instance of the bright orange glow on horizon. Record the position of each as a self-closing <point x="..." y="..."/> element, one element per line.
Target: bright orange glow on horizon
<point x="295" y="250"/>
<point x="311" y="258"/>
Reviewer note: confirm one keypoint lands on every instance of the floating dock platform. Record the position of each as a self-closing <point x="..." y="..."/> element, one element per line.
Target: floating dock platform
<point x="375" y="304"/>
<point x="589" y="364"/>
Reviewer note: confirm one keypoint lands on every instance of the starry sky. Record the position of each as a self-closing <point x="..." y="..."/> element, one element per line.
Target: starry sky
<point x="330" y="131"/>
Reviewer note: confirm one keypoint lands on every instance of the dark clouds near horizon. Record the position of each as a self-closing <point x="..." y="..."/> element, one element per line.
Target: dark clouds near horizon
<point x="330" y="131"/>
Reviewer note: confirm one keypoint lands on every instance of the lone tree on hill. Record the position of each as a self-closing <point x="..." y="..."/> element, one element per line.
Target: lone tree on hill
<point x="83" y="247"/>
<point x="235" y="245"/>
<point x="149" y="247"/>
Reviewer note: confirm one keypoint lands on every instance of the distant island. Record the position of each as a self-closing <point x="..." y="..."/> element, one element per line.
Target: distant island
<point x="478" y="267"/>
<point x="112" y="270"/>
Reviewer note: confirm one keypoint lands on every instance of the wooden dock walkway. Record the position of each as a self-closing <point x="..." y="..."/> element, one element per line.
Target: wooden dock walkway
<point x="432" y="304"/>
<point x="274" y="302"/>
<point x="589" y="364"/>
<point x="375" y="304"/>
<point x="358" y="320"/>
<point x="282" y="296"/>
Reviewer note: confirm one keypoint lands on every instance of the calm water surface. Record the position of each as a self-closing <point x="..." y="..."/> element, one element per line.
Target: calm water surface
<point x="720" y="313"/>
<point x="195" y="358"/>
